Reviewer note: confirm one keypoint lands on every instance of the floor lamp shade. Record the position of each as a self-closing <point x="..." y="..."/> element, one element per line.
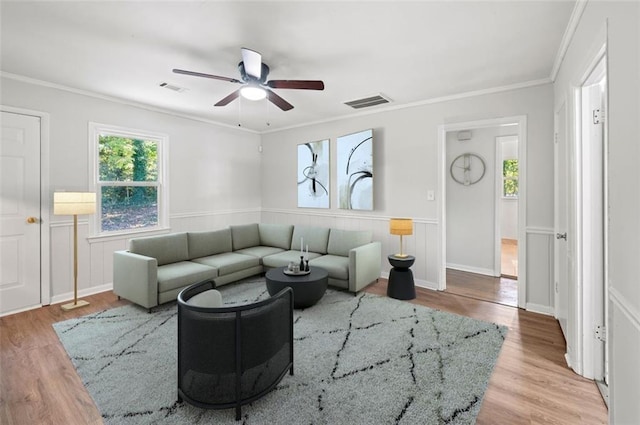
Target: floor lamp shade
<point x="402" y="227"/>
<point x="75" y="204"/>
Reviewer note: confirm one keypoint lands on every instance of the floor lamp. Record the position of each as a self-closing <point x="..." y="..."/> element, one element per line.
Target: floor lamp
<point x="74" y="203"/>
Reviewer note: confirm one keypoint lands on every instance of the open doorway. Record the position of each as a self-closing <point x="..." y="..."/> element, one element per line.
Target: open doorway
<point x="481" y="224"/>
<point x="508" y="179"/>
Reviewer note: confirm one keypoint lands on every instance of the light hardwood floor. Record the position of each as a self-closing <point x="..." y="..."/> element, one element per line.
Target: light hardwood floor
<point x="530" y="385"/>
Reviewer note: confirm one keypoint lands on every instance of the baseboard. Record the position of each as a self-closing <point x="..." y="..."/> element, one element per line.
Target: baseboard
<point x="471" y="269"/>
<point x="541" y="309"/>
<point x="81" y="293"/>
<point x="418" y="282"/>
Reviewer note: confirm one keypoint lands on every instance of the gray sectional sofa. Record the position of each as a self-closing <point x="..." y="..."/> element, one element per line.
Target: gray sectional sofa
<point x="156" y="268"/>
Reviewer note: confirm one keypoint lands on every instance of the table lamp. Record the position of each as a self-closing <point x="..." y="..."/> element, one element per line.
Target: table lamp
<point x="402" y="227"/>
<point x="74" y="203"/>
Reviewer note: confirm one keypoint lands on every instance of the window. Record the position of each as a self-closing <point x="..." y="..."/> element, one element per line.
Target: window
<point x="128" y="179"/>
<point x="510" y="178"/>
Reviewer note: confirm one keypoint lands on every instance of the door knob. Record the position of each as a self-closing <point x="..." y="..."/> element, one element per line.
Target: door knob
<point x="561" y="236"/>
<point x="32" y="220"/>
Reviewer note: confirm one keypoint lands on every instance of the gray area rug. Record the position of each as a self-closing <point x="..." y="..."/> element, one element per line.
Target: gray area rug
<point x="359" y="359"/>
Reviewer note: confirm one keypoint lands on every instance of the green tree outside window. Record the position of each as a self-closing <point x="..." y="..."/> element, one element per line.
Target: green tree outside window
<point x="510" y="178"/>
<point x="128" y="182"/>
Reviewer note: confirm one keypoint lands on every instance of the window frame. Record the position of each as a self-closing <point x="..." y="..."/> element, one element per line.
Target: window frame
<point x="95" y="223"/>
<point x="505" y="178"/>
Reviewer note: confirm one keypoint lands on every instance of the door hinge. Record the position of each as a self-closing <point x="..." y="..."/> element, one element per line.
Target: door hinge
<point x="601" y="333"/>
<point x="556" y="286"/>
<point x="555" y="137"/>
<point x="597" y="116"/>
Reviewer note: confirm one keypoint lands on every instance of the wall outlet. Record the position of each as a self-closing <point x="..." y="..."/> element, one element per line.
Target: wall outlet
<point x="431" y="195"/>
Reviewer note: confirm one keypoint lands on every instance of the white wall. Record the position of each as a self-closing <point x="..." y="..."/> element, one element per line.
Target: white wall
<point x="214" y="175"/>
<point x="406" y="158"/>
<point x="471" y="209"/>
<point x="623" y="37"/>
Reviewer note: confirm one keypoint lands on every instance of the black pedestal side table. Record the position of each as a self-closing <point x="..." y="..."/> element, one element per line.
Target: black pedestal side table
<point x="401" y="285"/>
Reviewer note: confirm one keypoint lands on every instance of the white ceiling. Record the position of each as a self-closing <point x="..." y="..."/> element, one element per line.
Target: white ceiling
<point x="409" y="51"/>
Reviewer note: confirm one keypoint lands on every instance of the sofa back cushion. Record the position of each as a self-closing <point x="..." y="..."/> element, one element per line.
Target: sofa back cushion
<point x="203" y="244"/>
<point x="276" y="235"/>
<point x="342" y="241"/>
<point x="316" y="237"/>
<point x="166" y="249"/>
<point x="245" y="236"/>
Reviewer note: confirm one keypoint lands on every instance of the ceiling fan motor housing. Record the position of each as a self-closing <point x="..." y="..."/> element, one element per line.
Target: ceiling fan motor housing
<point x="264" y="73"/>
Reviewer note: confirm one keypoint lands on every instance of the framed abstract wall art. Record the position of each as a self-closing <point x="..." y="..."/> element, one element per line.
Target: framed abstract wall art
<point x="355" y="171"/>
<point x="313" y="174"/>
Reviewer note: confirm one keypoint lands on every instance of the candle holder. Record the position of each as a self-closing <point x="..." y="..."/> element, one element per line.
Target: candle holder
<point x="302" y="263"/>
<point x="306" y="265"/>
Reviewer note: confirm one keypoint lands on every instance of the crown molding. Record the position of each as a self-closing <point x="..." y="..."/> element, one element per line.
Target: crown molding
<point x="574" y="20"/>
<point x="448" y="98"/>
<point x="114" y="99"/>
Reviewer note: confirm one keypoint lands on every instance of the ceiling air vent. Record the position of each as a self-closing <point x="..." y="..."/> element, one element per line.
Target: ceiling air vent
<point x="172" y="87"/>
<point x="366" y="102"/>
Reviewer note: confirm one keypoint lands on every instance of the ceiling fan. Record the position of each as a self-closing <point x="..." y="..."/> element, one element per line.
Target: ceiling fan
<point x="253" y="74"/>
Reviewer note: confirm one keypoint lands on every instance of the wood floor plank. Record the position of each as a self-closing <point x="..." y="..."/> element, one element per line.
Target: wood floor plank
<point x="530" y="384"/>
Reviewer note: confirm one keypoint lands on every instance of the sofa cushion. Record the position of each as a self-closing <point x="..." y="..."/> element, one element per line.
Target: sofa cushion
<point x="342" y="241"/>
<point x="260" y="251"/>
<point x="245" y="236"/>
<point x="203" y="244"/>
<point x="282" y="259"/>
<point x="276" y="235"/>
<point x="166" y="249"/>
<point x="183" y="273"/>
<point x="315" y="237"/>
<point x="336" y="265"/>
<point x="229" y="262"/>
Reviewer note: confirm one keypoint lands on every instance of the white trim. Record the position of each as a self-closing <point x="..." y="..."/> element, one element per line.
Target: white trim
<point x="585" y="345"/>
<point x="539" y="230"/>
<point x="471" y="269"/>
<point x="335" y="214"/>
<point x="60" y="298"/>
<point x="121" y="101"/>
<point x="497" y="208"/>
<point x="214" y="213"/>
<point x="620" y="301"/>
<point x="541" y="309"/>
<point x="521" y="121"/>
<point x="162" y="183"/>
<point x="569" y="31"/>
<point x="45" y="198"/>
<point x="465" y="95"/>
<point x="421" y="283"/>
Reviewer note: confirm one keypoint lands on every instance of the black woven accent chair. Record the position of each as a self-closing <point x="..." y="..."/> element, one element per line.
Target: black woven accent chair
<point x="231" y="356"/>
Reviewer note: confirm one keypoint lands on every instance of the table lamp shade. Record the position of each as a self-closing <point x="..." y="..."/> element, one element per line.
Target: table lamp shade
<point x="401" y="226"/>
<point x="74" y="203"/>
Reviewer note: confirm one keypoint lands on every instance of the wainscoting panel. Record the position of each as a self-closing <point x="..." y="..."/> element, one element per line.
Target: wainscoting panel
<point x="539" y="269"/>
<point x="422" y="244"/>
<point x="213" y="220"/>
<point x="624" y="387"/>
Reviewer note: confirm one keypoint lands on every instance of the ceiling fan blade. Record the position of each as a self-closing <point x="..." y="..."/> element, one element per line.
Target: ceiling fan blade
<point x="278" y="101"/>
<point x="252" y="62"/>
<point x="233" y="96"/>
<point x="199" y="74"/>
<point x="296" y="84"/>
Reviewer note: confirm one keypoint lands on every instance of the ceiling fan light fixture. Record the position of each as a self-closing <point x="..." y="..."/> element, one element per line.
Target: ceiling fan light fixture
<point x="253" y="93"/>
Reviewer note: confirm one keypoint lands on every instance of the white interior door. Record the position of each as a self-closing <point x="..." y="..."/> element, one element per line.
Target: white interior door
<point x="561" y="249"/>
<point x="19" y="212"/>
